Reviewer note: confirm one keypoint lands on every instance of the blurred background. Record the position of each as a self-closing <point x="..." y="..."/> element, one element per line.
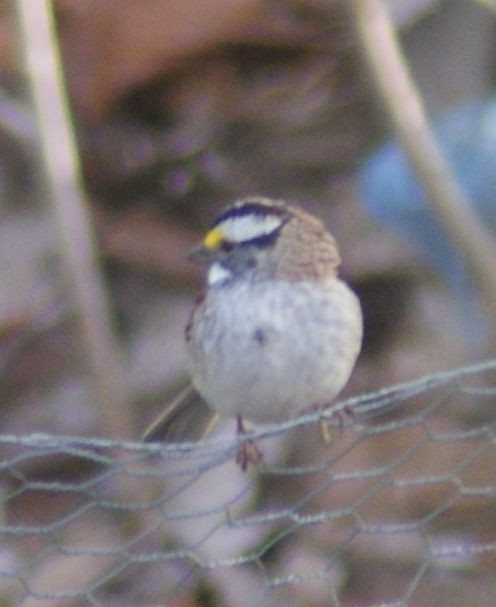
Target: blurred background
<point x="182" y="106"/>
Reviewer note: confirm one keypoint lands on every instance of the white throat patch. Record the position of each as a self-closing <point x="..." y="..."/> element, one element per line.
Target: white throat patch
<point x="248" y="227"/>
<point x="217" y="274"/>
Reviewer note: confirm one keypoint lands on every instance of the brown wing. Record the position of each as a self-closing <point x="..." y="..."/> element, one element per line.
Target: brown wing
<point x="187" y="418"/>
<point x="189" y="325"/>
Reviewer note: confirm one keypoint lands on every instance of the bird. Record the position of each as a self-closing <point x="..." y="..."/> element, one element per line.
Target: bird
<point x="393" y="197"/>
<point x="276" y="331"/>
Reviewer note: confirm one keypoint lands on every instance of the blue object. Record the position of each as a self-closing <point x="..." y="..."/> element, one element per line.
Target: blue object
<point x="393" y="197"/>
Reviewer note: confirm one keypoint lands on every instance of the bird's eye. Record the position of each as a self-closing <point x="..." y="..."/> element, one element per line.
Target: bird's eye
<point x="227" y="246"/>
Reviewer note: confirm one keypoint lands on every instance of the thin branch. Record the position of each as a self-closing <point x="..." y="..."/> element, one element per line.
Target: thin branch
<point x="404" y="106"/>
<point x="63" y="178"/>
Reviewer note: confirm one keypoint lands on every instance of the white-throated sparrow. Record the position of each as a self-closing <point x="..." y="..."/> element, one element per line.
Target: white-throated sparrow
<point x="276" y="331"/>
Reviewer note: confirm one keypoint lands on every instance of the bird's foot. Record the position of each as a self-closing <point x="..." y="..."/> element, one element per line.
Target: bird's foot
<point x="248" y="451"/>
<point x="325" y="432"/>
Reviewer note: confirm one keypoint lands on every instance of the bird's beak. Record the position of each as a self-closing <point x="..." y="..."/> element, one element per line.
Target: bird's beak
<point x="202" y="254"/>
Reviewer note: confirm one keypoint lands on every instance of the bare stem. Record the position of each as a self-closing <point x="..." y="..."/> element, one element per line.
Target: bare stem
<point x="405" y="109"/>
<point x="69" y="206"/>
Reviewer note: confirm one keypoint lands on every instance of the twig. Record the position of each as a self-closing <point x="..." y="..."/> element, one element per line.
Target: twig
<point x="69" y="207"/>
<point x="404" y="106"/>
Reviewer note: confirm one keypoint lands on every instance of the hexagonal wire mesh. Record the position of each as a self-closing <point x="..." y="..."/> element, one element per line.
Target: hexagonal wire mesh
<point x="397" y="510"/>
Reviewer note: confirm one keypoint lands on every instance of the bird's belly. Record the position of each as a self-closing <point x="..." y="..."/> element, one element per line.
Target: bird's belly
<point x="268" y="352"/>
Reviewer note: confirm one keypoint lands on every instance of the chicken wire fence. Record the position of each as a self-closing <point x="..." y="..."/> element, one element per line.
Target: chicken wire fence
<point x="399" y="509"/>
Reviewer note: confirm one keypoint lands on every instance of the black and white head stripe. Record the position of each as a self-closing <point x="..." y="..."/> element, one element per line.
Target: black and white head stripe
<point x="251" y="220"/>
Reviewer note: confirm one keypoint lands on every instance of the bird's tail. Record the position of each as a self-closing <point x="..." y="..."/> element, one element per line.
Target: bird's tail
<point x="187" y="418"/>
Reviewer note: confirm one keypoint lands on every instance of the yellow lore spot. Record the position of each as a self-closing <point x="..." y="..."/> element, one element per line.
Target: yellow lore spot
<point x="213" y="238"/>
